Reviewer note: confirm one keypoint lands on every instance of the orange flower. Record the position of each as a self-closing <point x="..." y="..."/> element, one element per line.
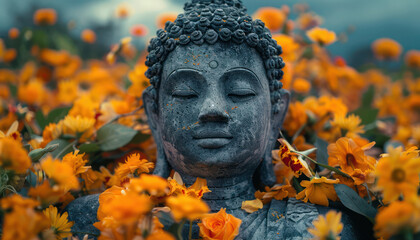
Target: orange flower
<point x="62" y="173"/>
<point x="308" y="20"/>
<point x="88" y="36"/>
<point x="318" y="191"/>
<point x="328" y="227"/>
<point x="197" y="190"/>
<point x="349" y="125"/>
<point x="105" y="197"/>
<point x="134" y="165"/>
<point x="301" y="85"/>
<point x="152" y="184"/>
<point x="412" y="58"/>
<point x="321" y="36"/>
<point x="398" y="216"/>
<point x="186" y="207"/>
<point x="386" y="48"/>
<point x="165" y="17"/>
<point x="45" y="16"/>
<point x="293" y="160"/>
<point x="273" y="18"/>
<point x="69" y="69"/>
<point x="32" y="93"/>
<point x="398" y="173"/>
<point x="13" y="33"/>
<point x="46" y="194"/>
<point x="77" y="161"/>
<point x="127" y="208"/>
<point x="59" y="223"/>
<point x="13" y="156"/>
<point x="279" y="192"/>
<point x="160" y="235"/>
<point x="67" y="91"/>
<point x="51" y="131"/>
<point x="351" y="158"/>
<point x="138" y="30"/>
<point x="295" y="118"/>
<point x="252" y="205"/>
<point x="122" y="11"/>
<point x="219" y="226"/>
<point x="9" y="55"/>
<point x="54" y="58"/>
<point x="77" y="125"/>
<point x="290" y="47"/>
<point x="17" y="201"/>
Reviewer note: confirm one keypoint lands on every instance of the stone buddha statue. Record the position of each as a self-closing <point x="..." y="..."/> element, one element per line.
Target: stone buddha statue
<point x="215" y="107"/>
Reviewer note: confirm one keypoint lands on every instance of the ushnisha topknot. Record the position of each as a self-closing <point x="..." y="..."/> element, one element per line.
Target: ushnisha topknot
<point x="209" y="21"/>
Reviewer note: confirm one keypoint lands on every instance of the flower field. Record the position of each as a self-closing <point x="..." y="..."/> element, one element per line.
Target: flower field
<point x="72" y="125"/>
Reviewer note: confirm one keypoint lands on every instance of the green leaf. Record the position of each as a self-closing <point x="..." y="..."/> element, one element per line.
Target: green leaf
<point x="322" y="150"/>
<point x="40" y="119"/>
<point x="367" y="114"/>
<point x="89" y="148"/>
<point x="140" y="137"/>
<point x="64" y="42"/>
<point x="57" y="114"/>
<point x="113" y="136"/>
<point x="368" y="97"/>
<point x="37" y="154"/>
<point x="63" y="148"/>
<point x="354" y="202"/>
<point x="13" y="90"/>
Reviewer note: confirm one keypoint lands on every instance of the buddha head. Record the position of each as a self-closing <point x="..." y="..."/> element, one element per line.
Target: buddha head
<point x="216" y="103"/>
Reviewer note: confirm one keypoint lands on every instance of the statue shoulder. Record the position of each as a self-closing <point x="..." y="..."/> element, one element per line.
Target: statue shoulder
<point x="82" y="211"/>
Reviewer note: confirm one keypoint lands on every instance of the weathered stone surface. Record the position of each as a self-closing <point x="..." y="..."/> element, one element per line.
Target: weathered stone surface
<point x="83" y="212"/>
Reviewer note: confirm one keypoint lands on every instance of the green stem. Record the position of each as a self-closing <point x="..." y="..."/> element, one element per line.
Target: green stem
<point x="190" y="231"/>
<point x="66" y="148"/>
<point x="324" y="165"/>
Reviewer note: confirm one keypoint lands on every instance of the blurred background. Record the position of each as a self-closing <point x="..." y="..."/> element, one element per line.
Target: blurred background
<point x="357" y="23"/>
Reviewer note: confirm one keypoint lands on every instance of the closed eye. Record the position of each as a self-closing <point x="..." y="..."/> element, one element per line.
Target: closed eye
<point x="184" y="93"/>
<point x="241" y="94"/>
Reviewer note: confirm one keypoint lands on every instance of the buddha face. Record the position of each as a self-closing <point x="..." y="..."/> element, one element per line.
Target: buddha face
<point x="214" y="110"/>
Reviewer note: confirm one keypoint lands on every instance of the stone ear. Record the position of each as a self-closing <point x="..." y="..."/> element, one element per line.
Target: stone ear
<point x="265" y="171"/>
<point x="162" y="167"/>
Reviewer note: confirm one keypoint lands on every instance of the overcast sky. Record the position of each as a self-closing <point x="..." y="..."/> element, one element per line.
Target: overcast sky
<point x="372" y="19"/>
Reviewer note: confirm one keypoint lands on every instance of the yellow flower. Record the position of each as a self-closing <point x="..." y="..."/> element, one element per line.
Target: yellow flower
<point x="293" y="160"/>
<point x="252" y="205"/>
<point x="196" y="190"/>
<point x="79" y="124"/>
<point x="134" y="165"/>
<point x="59" y="222"/>
<point x="351" y="158"/>
<point x="67" y="91"/>
<point x="77" y="161"/>
<point x="152" y="184"/>
<point x="398" y="216"/>
<point x="186" y="207"/>
<point x="321" y="36"/>
<point x="386" y="48"/>
<point x="328" y="227"/>
<point x="350" y="125"/>
<point x="273" y="18"/>
<point x="219" y="226"/>
<point x="88" y="36"/>
<point x="127" y="208"/>
<point x="318" y="191"/>
<point x="398" y="173"/>
<point x="13" y="156"/>
<point x="12" y="132"/>
<point x="61" y="172"/>
<point x="45" y="16"/>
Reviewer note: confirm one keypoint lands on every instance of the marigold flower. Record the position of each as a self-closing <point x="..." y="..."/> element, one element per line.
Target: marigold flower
<point x="77" y="161"/>
<point x="273" y="18"/>
<point x="293" y="160"/>
<point x="88" y="36"/>
<point x="53" y="57"/>
<point x="134" y="165"/>
<point x="127" y="208"/>
<point x="318" y="191"/>
<point x="9" y="55"/>
<point x="13" y="156"/>
<point x="412" y="58"/>
<point x="46" y="194"/>
<point x="105" y="197"/>
<point x="301" y="85"/>
<point x="196" y="190"/>
<point x="138" y="30"/>
<point x="219" y="226"/>
<point x="67" y="91"/>
<point x="160" y="235"/>
<point x="296" y="117"/>
<point x="32" y="93"/>
<point x="51" y="132"/>
<point x="252" y="205"/>
<point x="398" y="173"/>
<point x="186" y="207"/>
<point x="17" y="201"/>
<point x="69" y="69"/>
<point x="59" y="222"/>
<point x="350" y="124"/>
<point x="165" y="17"/>
<point x="290" y="46"/>
<point x="13" y="33"/>
<point x="62" y="173"/>
<point x="321" y="36"/>
<point x="398" y="216"/>
<point x="45" y="16"/>
<point x="328" y="227"/>
<point x="279" y="192"/>
<point x="386" y="48"/>
<point x="78" y="125"/>
<point x="351" y="158"/>
<point x="152" y="184"/>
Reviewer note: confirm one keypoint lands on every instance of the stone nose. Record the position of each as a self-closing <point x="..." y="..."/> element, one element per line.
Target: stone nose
<point x="213" y="110"/>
